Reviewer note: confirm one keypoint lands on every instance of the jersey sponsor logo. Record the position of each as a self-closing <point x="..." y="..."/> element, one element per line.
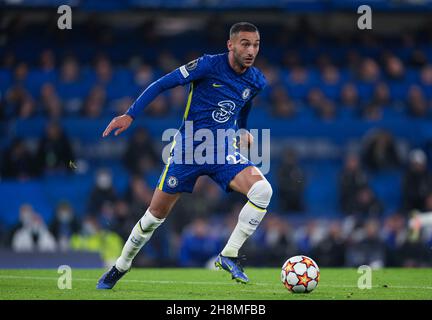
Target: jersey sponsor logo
<point x="236" y="158"/>
<point x="216" y="85"/>
<point x="246" y="93"/>
<point x="225" y="111"/>
<point x="172" y="182"/>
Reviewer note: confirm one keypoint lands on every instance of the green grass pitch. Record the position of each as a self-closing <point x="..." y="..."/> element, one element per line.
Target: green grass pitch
<point x="203" y="284"/>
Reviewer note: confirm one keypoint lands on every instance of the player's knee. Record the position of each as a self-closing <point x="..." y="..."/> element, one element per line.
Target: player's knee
<point x="158" y="212"/>
<point x="260" y="193"/>
<point x="149" y="222"/>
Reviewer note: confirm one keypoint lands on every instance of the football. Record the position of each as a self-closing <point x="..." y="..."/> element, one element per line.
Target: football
<point x="300" y="274"/>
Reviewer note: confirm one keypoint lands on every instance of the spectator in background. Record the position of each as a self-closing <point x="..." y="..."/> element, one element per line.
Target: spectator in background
<point x="381" y="95"/>
<point x="273" y="241"/>
<point x="54" y="151"/>
<point x="368" y="74"/>
<point x="326" y="110"/>
<point x="366" y="205"/>
<point x="330" y="251"/>
<point x="367" y="248"/>
<point x="394" y="68"/>
<point x="417" y="181"/>
<point x="158" y="107"/>
<point x="167" y="61"/>
<point x="368" y="71"/>
<point x="198" y="244"/>
<point x="349" y="101"/>
<point x="138" y="196"/>
<point x="426" y="80"/>
<point x="307" y="235"/>
<point x="19" y="100"/>
<point x="373" y="112"/>
<point x="418" y="58"/>
<point x="271" y="73"/>
<point x="103" y="69"/>
<point x="315" y="97"/>
<point x="32" y="235"/>
<point x="120" y="106"/>
<point x="103" y="191"/>
<point x="291" y="183"/>
<point x="330" y="78"/>
<point x="395" y="72"/>
<point x="144" y="76"/>
<point x="415" y="252"/>
<point x="298" y="82"/>
<point x="93" y="106"/>
<point x="27" y="109"/>
<point x="351" y="180"/>
<point x="380" y="151"/>
<point x="177" y="100"/>
<point x="93" y="238"/>
<point x="141" y="155"/>
<point x="282" y="106"/>
<point x="417" y="104"/>
<point x="71" y="87"/>
<point x="124" y="221"/>
<point x="64" y="225"/>
<point x="395" y="235"/>
<point x="204" y="202"/>
<point x="18" y="162"/>
<point x="50" y="101"/>
<point x="20" y="74"/>
<point x="48" y="65"/>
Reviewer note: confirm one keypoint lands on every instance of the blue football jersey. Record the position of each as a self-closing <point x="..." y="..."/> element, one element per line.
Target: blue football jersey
<point x="217" y="94"/>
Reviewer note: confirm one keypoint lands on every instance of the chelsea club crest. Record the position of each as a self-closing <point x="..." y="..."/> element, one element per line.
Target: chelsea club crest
<point x="172" y="182"/>
<point x="246" y="93"/>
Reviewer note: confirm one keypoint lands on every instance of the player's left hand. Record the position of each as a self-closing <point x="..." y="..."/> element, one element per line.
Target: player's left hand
<point x="246" y="140"/>
<point x="120" y="123"/>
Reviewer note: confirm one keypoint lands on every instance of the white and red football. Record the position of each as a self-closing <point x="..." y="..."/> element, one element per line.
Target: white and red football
<point x="300" y="274"/>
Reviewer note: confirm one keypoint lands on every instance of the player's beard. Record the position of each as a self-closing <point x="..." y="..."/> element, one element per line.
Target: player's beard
<point x="240" y="61"/>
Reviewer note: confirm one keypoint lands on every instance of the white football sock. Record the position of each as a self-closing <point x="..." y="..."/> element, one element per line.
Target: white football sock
<point x="139" y="236"/>
<point x="249" y="218"/>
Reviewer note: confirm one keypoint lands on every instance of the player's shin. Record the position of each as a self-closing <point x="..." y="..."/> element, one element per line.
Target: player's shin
<point x="249" y="218"/>
<point x="139" y="236"/>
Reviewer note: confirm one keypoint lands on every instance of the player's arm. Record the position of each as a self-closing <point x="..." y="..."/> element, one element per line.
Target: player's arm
<point x="185" y="74"/>
<point x="246" y="138"/>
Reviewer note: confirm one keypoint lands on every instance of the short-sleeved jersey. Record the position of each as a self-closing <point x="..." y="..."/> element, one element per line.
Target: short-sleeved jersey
<point x="217" y="93"/>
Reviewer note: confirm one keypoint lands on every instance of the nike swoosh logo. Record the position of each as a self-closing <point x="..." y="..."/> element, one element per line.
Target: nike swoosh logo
<point x="215" y="85"/>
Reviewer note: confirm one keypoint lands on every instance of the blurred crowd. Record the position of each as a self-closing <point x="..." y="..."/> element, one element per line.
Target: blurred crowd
<point x="200" y="223"/>
<point x="369" y="83"/>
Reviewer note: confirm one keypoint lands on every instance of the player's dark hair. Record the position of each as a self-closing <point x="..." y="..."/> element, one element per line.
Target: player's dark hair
<point x="242" y="26"/>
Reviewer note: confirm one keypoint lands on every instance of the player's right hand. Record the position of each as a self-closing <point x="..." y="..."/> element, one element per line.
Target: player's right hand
<point x="121" y="123"/>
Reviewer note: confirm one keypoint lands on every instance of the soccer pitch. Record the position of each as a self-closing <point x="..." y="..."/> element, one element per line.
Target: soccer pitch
<point x="203" y="284"/>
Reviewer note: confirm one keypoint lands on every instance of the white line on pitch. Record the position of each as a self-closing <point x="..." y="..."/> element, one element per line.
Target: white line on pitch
<point x="205" y="282"/>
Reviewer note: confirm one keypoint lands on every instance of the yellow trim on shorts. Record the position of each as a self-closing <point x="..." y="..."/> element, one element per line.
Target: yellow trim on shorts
<point x="185" y="115"/>
<point x="166" y="167"/>
<point x="258" y="208"/>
